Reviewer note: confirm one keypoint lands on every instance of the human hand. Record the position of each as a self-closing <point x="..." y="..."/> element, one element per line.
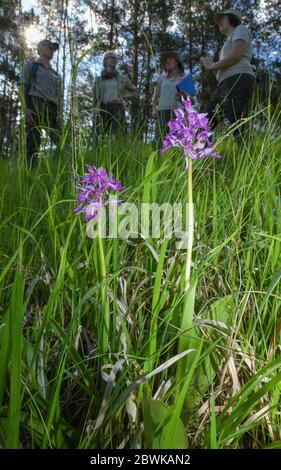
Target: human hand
<point x="118" y="101"/>
<point x="29" y="113"/>
<point x="154" y="113"/>
<point x="207" y="62"/>
<point x="181" y="94"/>
<point x="60" y="120"/>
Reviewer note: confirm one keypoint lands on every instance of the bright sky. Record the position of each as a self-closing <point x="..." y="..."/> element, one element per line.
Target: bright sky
<point x="27" y="4"/>
<point x="33" y="34"/>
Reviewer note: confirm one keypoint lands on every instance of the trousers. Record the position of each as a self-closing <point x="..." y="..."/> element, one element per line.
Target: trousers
<point x="231" y="99"/>
<point x="45" y="117"/>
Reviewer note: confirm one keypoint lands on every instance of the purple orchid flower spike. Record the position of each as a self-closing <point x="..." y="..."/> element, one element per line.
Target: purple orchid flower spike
<point x="190" y="131"/>
<point x="94" y="192"/>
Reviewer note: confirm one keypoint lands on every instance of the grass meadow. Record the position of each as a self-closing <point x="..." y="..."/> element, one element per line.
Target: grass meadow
<point x="64" y="382"/>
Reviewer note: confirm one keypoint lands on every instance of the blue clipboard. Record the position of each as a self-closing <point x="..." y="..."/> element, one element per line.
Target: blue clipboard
<point x="187" y="85"/>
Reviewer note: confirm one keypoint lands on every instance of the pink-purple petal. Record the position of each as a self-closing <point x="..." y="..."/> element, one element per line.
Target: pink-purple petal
<point x="95" y="187"/>
<point x="190" y="131"/>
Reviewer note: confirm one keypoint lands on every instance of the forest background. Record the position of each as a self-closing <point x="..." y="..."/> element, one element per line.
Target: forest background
<point x="139" y="30"/>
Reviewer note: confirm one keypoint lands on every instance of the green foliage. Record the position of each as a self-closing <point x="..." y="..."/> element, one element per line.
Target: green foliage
<point x="156" y="417"/>
<point x="58" y="387"/>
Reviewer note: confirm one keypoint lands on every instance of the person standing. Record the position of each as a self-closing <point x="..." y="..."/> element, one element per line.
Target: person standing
<point x="111" y="90"/>
<point x="43" y="98"/>
<point x="166" y="96"/>
<point x="235" y="74"/>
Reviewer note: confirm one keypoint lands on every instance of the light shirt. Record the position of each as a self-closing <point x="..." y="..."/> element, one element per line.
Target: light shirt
<point x="244" y="65"/>
<point x="109" y="90"/>
<point x="119" y="86"/>
<point x="46" y="83"/>
<point x="168" y="91"/>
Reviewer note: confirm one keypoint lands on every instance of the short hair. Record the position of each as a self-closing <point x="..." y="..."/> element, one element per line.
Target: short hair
<point x="233" y="20"/>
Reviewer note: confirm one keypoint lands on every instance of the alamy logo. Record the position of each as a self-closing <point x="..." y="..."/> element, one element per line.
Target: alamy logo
<point x="128" y="220"/>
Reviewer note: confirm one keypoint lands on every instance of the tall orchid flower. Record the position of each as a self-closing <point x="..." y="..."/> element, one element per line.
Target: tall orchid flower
<point x="190" y="132"/>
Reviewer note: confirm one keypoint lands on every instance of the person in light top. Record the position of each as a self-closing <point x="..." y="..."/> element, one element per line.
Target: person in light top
<point x="234" y="71"/>
<point x="111" y="90"/>
<point x="166" y="96"/>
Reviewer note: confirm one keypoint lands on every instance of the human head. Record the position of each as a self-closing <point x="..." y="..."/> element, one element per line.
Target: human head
<point x="47" y="48"/>
<point x="227" y="20"/>
<point x="233" y="20"/>
<point x="110" y="60"/>
<point x="170" y="61"/>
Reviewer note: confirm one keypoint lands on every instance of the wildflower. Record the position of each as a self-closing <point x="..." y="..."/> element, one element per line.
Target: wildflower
<point x="94" y="192"/>
<point x="190" y="131"/>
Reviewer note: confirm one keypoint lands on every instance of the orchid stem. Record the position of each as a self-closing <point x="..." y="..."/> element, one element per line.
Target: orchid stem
<point x="104" y="296"/>
<point x="190" y="226"/>
<point x="189" y="294"/>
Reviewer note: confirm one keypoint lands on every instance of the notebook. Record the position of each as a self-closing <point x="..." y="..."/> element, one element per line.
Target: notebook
<point x="187" y="85"/>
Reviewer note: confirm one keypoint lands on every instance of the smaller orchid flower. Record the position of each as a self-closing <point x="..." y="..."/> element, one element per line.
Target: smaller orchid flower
<point x="95" y="187"/>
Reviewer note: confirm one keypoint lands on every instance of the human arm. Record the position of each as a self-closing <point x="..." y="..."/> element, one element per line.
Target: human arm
<point x="28" y="111"/>
<point x="60" y="110"/>
<point x="127" y="91"/>
<point x="61" y="105"/>
<point x="96" y="93"/>
<point x="60" y="99"/>
<point x="236" y="54"/>
<point x="130" y="91"/>
<point x="155" y="99"/>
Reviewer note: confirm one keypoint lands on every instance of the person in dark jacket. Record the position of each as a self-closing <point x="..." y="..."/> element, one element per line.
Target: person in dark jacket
<point x="43" y="99"/>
